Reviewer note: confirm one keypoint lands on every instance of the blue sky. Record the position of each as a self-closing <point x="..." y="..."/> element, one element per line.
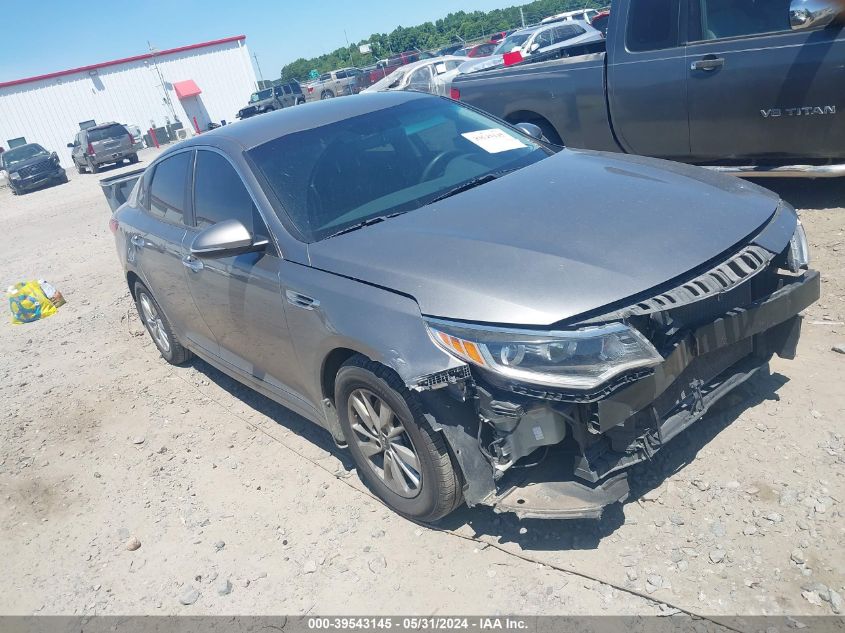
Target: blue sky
<point x="42" y="37"/>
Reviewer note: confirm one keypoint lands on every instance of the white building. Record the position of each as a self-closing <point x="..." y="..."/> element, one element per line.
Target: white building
<point x="193" y="84"/>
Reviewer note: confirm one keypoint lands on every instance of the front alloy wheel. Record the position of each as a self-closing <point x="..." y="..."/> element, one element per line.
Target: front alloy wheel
<point x="382" y="439"/>
<point x="398" y="453"/>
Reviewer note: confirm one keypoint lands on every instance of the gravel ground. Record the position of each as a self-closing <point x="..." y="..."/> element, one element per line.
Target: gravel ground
<point x="128" y="486"/>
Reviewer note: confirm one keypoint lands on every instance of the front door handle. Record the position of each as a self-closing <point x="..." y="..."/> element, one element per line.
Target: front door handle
<point x="708" y="64"/>
<point x="138" y="241"/>
<point x="189" y="261"/>
<point x="301" y="301"/>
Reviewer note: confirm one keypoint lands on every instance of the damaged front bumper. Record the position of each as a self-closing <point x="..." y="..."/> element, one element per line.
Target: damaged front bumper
<point x="581" y="445"/>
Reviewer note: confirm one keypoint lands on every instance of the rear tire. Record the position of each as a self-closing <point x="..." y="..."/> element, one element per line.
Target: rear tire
<point x="133" y="158"/>
<point x="63" y="180"/>
<point x="93" y="167"/>
<point x="327" y="94"/>
<point x="399" y="456"/>
<point x="79" y="169"/>
<point x="159" y="327"/>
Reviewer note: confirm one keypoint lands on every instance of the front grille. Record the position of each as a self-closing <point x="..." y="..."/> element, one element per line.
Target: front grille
<point x="720" y="279"/>
<point x="38" y="168"/>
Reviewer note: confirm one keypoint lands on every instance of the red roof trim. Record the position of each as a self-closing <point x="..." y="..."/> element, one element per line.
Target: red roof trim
<point x="126" y="60"/>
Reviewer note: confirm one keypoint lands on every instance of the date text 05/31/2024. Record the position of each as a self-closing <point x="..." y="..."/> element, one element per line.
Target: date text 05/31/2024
<point x="431" y="623"/>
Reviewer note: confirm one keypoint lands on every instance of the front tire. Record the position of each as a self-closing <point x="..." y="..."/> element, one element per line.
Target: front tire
<point x="159" y="327"/>
<point x="399" y="456"/>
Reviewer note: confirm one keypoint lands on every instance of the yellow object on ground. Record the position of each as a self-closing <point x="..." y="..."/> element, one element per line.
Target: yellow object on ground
<point x="28" y="303"/>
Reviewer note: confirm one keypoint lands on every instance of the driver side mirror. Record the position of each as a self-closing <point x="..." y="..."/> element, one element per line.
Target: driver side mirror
<point x="71" y="145"/>
<point x="812" y="14"/>
<point x="531" y="130"/>
<point x="226" y="239"/>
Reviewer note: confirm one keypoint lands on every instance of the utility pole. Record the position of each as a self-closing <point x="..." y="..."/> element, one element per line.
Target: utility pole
<point x="163" y="84"/>
<point x="257" y="65"/>
<point x="522" y="17"/>
<point x="348" y="52"/>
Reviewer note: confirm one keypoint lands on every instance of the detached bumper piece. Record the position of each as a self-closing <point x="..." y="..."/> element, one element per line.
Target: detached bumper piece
<point x="543" y="493"/>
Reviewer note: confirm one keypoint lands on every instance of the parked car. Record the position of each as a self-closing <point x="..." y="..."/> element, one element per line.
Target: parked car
<point x="428" y="75"/>
<point x="384" y="67"/>
<point x="275" y="98"/>
<point x="726" y="95"/>
<point x="336" y="83"/>
<point x="498" y="37"/>
<point x="31" y="166"/>
<point x="450" y="49"/>
<point x="545" y="38"/>
<point x="561" y="40"/>
<point x="600" y="21"/>
<point x="102" y="144"/>
<point x="583" y="15"/>
<point x="355" y="261"/>
<point x="479" y="50"/>
<point x="137" y="136"/>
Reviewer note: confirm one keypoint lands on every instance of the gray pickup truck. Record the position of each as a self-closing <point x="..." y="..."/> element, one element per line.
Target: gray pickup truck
<point x="747" y="87"/>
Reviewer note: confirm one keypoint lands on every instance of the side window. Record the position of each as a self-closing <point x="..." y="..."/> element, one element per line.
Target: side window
<point x="420" y="79"/>
<point x="652" y="25"/>
<point x="719" y="19"/>
<point x="168" y="187"/>
<point x="220" y="194"/>
<point x="544" y="39"/>
<point x="286" y="89"/>
<point x="340" y="74"/>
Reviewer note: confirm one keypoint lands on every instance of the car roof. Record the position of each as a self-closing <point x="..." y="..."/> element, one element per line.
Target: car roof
<point x="258" y="130"/>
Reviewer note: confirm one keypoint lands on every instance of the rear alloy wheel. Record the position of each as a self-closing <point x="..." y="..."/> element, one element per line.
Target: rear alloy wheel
<point x="159" y="327"/>
<point x="327" y="94"/>
<point x="399" y="456"/>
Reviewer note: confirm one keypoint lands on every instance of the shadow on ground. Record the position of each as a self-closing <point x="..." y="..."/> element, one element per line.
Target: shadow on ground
<point x="810" y="195"/>
<point x="282" y="416"/>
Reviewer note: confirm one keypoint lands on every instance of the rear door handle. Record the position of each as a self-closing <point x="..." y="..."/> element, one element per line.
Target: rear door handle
<point x="138" y="241"/>
<point x="708" y="64"/>
<point x="189" y="261"/>
<point x="301" y="301"/>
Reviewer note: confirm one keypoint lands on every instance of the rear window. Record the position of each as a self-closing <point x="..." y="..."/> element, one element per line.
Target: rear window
<point x="102" y="133"/>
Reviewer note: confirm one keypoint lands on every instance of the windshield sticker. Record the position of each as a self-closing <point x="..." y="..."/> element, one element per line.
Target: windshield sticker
<point x="493" y="141"/>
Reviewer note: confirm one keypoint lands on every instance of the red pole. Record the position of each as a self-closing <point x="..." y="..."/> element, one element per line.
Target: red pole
<point x="196" y="126"/>
<point x="153" y="136"/>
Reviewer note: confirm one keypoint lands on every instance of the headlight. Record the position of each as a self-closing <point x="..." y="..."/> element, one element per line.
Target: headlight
<point x="15" y="175"/>
<point x="799" y="250"/>
<point x="575" y="359"/>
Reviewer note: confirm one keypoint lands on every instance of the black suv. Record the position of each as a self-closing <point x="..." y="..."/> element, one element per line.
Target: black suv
<point x="30" y="166"/>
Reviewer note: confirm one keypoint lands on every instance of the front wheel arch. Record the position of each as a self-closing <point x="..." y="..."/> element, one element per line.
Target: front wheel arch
<point x="527" y="116"/>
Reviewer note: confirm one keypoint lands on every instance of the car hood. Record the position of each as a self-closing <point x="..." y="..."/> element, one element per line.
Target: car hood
<point x="565" y="236"/>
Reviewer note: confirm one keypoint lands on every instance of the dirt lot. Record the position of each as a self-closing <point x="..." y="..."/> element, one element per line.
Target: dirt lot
<point x="242" y="507"/>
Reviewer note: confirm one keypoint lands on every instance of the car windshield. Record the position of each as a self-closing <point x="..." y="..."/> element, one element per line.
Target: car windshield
<point x="22" y="153"/>
<point x="261" y="95"/>
<point x="511" y="42"/>
<point x="110" y="131"/>
<point x="389" y="161"/>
